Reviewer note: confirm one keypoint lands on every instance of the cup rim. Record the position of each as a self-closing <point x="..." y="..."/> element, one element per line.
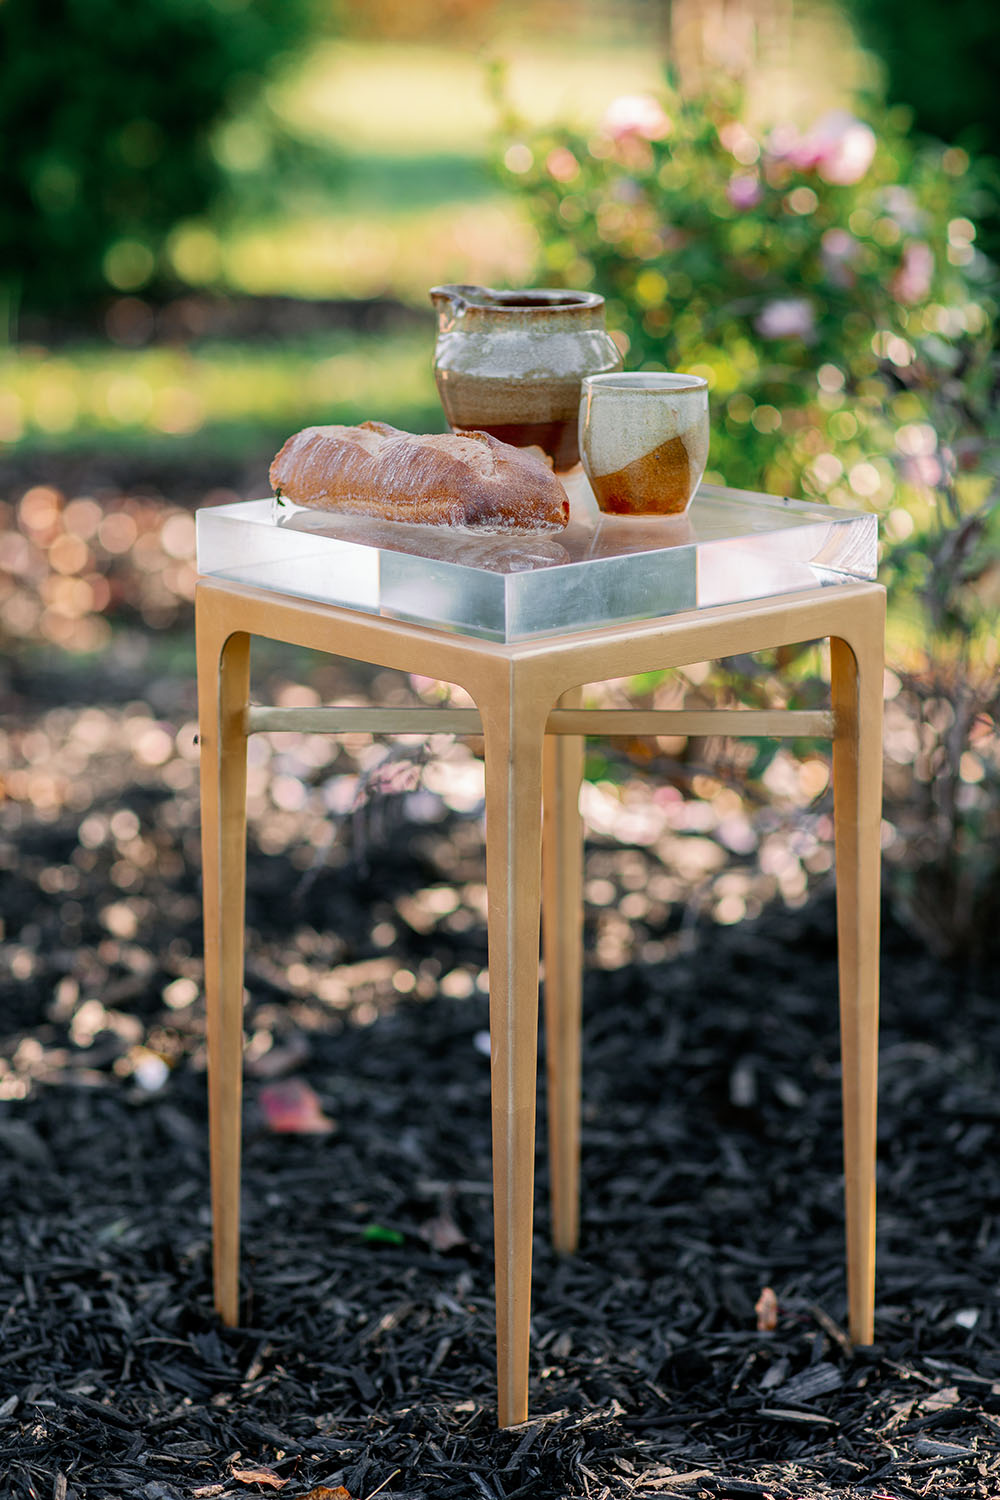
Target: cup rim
<point x="528" y="299"/>
<point x="647" y="380"/>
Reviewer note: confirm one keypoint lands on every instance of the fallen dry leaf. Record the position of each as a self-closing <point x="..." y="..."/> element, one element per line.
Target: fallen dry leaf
<point x="442" y="1233"/>
<point x="291" y="1107"/>
<point x="766" y="1308"/>
<point x="672" y="1481"/>
<point x="322" y="1493"/>
<point x="260" y="1474"/>
<point x="941" y="1400"/>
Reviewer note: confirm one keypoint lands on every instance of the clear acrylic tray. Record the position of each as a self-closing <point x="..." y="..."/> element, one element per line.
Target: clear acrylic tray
<point x="732" y="545"/>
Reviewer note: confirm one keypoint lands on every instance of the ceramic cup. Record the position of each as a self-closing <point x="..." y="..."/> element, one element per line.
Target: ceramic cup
<point x="644" y="441"/>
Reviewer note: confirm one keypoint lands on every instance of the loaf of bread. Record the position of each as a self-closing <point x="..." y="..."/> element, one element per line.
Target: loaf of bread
<point x="444" y="479"/>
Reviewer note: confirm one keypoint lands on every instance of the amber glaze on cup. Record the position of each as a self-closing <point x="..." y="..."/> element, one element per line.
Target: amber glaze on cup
<point x="511" y="363"/>
<point x="644" y="441"/>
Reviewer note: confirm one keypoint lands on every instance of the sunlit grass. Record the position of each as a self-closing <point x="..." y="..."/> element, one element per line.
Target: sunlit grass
<point x="177" y="393"/>
<point x="423" y="100"/>
<point x="406" y="199"/>
<point x="338" y="253"/>
<point x="412" y="202"/>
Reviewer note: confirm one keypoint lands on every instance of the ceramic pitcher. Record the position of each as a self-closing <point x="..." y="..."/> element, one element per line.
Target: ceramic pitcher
<point x="511" y="363"/>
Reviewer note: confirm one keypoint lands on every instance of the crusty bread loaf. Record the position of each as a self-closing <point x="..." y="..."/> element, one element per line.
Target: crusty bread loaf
<point x="445" y="479"/>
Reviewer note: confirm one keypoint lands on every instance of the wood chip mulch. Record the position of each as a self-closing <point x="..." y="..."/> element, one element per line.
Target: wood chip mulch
<point x="364" y="1363"/>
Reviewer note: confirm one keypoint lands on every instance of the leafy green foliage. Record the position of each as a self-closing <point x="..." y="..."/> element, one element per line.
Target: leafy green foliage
<point x="106" y="109"/>
<point x="829" y="287"/>
<point x="820" y="282"/>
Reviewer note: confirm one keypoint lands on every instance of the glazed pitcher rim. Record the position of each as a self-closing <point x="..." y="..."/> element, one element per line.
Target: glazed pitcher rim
<point x="518" y="299"/>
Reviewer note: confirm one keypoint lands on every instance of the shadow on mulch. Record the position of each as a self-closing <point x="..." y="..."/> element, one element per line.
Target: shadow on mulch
<point x="710" y="1169"/>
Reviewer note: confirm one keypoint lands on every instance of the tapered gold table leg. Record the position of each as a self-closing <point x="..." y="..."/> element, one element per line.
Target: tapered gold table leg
<point x="513" y="726"/>
<point x="223" y="688"/>
<point x="562" y="936"/>
<point x="856" y="683"/>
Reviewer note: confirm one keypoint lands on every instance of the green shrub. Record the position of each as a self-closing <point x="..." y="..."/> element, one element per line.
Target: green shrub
<point x="828" y="285"/>
<point x="106" y="109"/>
<point x="820" y="282"/>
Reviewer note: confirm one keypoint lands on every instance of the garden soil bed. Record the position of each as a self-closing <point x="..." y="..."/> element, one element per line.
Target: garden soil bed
<point x="364" y="1360"/>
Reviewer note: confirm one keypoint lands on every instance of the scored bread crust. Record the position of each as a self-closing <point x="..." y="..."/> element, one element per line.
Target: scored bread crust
<point x="443" y="479"/>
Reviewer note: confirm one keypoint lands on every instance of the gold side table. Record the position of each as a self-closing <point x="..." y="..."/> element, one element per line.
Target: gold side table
<point x="526" y="693"/>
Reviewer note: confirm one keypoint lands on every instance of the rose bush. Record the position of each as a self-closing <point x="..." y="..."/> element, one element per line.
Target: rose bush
<point x="827" y="284"/>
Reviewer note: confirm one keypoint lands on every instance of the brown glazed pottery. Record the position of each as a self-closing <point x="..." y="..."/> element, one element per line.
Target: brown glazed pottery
<point x="644" y="440"/>
<point x="511" y="363"/>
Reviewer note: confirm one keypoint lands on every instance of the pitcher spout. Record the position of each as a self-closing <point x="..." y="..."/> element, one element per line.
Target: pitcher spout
<point x="450" y="302"/>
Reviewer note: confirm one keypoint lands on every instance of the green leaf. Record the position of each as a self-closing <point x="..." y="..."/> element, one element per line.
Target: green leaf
<point x="377" y="1234"/>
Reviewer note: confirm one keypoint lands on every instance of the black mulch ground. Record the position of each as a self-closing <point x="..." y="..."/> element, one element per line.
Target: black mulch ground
<point x="365" y="1359"/>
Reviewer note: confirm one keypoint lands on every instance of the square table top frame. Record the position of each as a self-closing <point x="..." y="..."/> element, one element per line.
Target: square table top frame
<point x="527" y="696"/>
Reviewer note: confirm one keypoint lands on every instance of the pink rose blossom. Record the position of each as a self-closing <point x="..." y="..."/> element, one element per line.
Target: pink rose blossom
<point x="562" y="164"/>
<point x="636" y="115"/>
<point x="840" y="244"/>
<point x="787" y="318"/>
<point x="839" y="147"/>
<point x="912" y="281"/>
<point x="743" y="190"/>
<point x="839" y="250"/>
<point x="903" y="207"/>
<point x="922" y="469"/>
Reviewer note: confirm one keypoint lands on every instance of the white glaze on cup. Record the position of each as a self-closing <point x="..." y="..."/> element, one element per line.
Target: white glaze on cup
<point x="644" y="440"/>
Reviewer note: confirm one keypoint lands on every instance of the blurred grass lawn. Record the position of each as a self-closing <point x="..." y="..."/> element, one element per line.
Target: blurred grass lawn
<point x="421" y="101"/>
<point x="363" y="173"/>
<point x="258" y="392"/>
<point x="394" y="195"/>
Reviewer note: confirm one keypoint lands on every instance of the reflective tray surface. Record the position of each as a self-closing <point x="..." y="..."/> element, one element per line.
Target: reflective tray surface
<point x="732" y="545"/>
